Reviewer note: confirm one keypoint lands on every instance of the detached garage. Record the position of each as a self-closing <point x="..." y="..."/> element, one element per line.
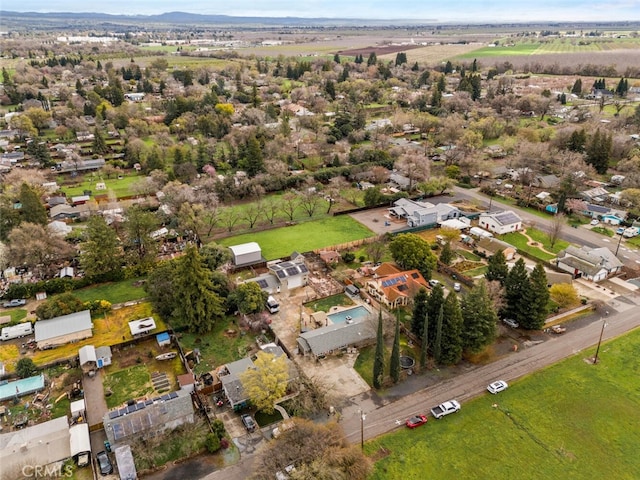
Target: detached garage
<point x="246" y="254"/>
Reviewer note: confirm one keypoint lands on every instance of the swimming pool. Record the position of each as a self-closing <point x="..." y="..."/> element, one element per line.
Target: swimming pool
<point x="356" y="313"/>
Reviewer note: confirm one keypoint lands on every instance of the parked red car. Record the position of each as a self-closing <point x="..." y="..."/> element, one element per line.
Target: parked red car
<point x="416" y="421"/>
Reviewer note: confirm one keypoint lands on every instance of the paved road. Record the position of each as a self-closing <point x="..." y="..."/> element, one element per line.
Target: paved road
<point x="579" y="236"/>
<point x="383" y="419"/>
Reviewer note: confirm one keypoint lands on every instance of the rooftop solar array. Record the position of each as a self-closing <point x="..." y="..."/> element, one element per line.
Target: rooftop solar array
<point x="262" y="283"/>
<point x="119" y="412"/>
<point x="392" y="281"/>
<point x="288" y="269"/>
<point x="507" y="218"/>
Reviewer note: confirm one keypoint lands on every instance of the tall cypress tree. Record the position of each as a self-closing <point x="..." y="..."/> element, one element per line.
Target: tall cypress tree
<point x="434" y="305"/>
<point x="394" y="364"/>
<point x="378" y="361"/>
<point x="437" y="346"/>
<point x="497" y="268"/>
<point x="424" y="352"/>
<point x="419" y="312"/>
<point x="32" y="209"/>
<point x="516" y="287"/>
<point x="480" y="319"/>
<point x="451" y="345"/>
<point x="537" y="299"/>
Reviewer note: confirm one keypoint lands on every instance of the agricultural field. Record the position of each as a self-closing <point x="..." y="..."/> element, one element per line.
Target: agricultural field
<point x="584" y="428"/>
<point x="303" y="237"/>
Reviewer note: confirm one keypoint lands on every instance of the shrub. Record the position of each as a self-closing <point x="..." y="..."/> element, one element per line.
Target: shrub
<point x="348" y="257"/>
<point x="26" y="368"/>
<point x="212" y="443"/>
<point x="218" y="428"/>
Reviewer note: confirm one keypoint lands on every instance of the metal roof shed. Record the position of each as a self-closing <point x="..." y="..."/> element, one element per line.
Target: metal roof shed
<point x="64" y="329"/>
<point x="124" y="459"/>
<point x="246" y="253"/>
<point x="142" y="326"/>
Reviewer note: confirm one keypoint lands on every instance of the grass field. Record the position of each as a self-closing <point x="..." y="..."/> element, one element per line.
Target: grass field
<point x="115" y="292"/>
<point x="303" y="237"/>
<point x="119" y="187"/>
<point x="572" y="420"/>
<point x="126" y="384"/>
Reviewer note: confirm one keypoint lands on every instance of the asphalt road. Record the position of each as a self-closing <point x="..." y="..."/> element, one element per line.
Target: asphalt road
<point x="380" y="420"/>
<point x="579" y="236"/>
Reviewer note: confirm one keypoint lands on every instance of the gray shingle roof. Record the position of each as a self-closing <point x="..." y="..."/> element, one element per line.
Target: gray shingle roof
<point x="64" y="325"/>
<point x="333" y="337"/>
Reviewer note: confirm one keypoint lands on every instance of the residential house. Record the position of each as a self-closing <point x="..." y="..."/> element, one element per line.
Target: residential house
<point x="230" y="376"/>
<point x="148" y="418"/>
<point x="500" y="222"/>
<point x="597" y="195"/>
<point x="62" y="212"/>
<point x="46" y="444"/>
<point x="594" y="264"/>
<point x="292" y="274"/>
<point x="492" y="245"/>
<point x="395" y="288"/>
<point x="420" y="214"/>
<point x="399" y="181"/>
<point x="65" y="329"/>
<point x="548" y="182"/>
<point x="335" y="337"/>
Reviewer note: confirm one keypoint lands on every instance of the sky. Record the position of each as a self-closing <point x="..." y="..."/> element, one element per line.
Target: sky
<point x="485" y="11"/>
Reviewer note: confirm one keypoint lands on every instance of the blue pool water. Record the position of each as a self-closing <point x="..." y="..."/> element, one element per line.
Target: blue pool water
<point x="355" y="313"/>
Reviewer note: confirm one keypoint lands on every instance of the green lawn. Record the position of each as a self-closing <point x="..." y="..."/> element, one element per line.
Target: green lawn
<point x="572" y="420"/>
<point x="219" y="346"/>
<point x="120" y="187"/>
<point x="16" y="314"/>
<point x="126" y="384"/>
<point x="520" y="242"/>
<point x="543" y="238"/>
<point x="325" y="304"/>
<point x="303" y="237"/>
<point x="476" y="271"/>
<point x="115" y="292"/>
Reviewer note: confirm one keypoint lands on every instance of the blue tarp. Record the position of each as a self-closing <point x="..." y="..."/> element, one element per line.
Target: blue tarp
<point x="21" y="387"/>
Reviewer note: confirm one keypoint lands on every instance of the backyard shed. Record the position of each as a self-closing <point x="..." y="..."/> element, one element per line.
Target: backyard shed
<point x="64" y="329"/>
<point x="78" y="409"/>
<point x="163" y="339"/>
<point x="246" y="254"/>
<point x="80" y="441"/>
<point x="103" y="356"/>
<point x="142" y="326"/>
<point x="88" y="359"/>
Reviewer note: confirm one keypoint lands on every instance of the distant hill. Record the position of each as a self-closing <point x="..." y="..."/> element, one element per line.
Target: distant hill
<point x="181" y="18"/>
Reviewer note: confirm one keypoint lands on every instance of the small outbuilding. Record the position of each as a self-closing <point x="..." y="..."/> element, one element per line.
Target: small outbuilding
<point x="163" y="339"/>
<point x="246" y="254"/>
<point x="126" y="465"/>
<point x="142" y="326"/>
<point x="88" y="359"/>
<point x="103" y="356"/>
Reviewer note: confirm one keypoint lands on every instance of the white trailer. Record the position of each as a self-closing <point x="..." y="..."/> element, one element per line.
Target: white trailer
<point x="17" y="331"/>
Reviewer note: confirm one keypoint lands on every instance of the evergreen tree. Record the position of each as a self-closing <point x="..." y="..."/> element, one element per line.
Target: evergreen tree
<point x="479" y="319"/>
<point x="563" y="99"/>
<point x="336" y="58"/>
<point x="199" y="306"/>
<point x="252" y="159"/>
<point x="447" y="255"/>
<point x="476" y="87"/>
<point x="394" y="364"/>
<point x="424" y="351"/>
<point x="434" y="305"/>
<point x="497" y="268"/>
<point x="330" y="89"/>
<point x="378" y="361"/>
<point x="32" y="209"/>
<point x="577" y="141"/>
<point x="415" y="67"/>
<point x="100" y="253"/>
<point x="598" y="151"/>
<point x="419" y="311"/>
<point x="577" y="87"/>
<point x="372" y="60"/>
<point x="99" y="145"/>
<point x="516" y="287"/>
<point x="451" y="344"/>
<point x="536" y="299"/>
<point x="474" y="66"/>
<point x="437" y="344"/>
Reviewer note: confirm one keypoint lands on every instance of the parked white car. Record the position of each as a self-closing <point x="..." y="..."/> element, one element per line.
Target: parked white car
<point x="497" y="386"/>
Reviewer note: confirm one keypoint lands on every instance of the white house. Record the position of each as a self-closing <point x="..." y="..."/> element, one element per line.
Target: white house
<point x="423" y="213"/>
<point x="500" y="222"/>
<point x="594" y="264"/>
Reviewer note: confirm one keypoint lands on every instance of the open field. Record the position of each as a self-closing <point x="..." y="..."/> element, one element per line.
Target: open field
<point x="119" y="187"/>
<point x="114" y="292"/>
<point x="572" y="420"/>
<point x="303" y="237"/>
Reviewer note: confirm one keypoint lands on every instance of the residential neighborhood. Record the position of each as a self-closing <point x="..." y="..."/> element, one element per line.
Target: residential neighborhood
<point x="220" y="256"/>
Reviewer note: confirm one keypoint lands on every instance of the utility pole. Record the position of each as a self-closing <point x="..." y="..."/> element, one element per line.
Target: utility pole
<point x="362" y="418"/>
<point x="604" y="324"/>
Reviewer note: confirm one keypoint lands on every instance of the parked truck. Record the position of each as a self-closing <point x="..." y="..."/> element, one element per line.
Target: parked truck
<point x="17" y="331"/>
<point x="452" y="406"/>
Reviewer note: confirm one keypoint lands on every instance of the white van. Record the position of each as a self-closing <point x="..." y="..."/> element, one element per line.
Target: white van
<point x="272" y="305"/>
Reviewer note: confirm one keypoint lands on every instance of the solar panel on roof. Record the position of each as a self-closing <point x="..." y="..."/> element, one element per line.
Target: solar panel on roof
<point x="262" y="283"/>
<point x="276" y="267"/>
<point x="291" y="271"/>
<point x="131" y="408"/>
<point x="303" y="268"/>
<point x="122" y="411"/>
<point x="140" y="405"/>
<point x="118" y="431"/>
<point x="414" y="275"/>
<point x="166" y="397"/>
<point x="114" y="414"/>
<point x="281" y="274"/>
<point x="173" y="394"/>
<point x="148" y="402"/>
